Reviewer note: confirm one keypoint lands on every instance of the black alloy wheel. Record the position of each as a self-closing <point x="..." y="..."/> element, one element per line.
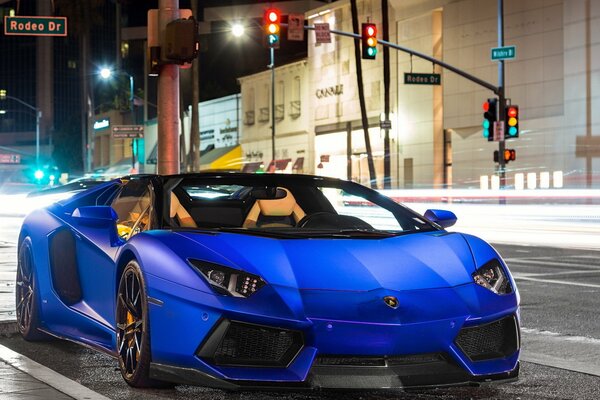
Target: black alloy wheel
<point x="133" y="337"/>
<point x="27" y="296"/>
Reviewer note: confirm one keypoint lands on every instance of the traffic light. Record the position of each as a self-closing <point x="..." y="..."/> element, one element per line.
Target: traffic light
<point x="509" y="155"/>
<point x="512" y="121"/>
<point x="489" y="117"/>
<point x="182" y="40"/>
<point x="272" y="26"/>
<point x="369" y="41"/>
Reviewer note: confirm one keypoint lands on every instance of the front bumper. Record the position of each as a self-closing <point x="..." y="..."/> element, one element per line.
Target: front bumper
<point x="416" y="376"/>
<point x="418" y="330"/>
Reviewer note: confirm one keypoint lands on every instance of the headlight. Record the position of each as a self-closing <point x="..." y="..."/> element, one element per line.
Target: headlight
<point x="492" y="276"/>
<point x="229" y="281"/>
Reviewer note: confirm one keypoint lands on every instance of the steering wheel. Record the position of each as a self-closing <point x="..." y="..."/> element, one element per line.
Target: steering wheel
<point x="328" y="220"/>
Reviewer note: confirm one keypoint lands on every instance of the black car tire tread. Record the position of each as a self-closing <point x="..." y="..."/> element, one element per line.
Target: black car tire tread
<point x="30" y="332"/>
<point x="140" y="378"/>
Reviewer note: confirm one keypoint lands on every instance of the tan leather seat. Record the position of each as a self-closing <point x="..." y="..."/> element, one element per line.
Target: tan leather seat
<point x="285" y="207"/>
<point x="183" y="216"/>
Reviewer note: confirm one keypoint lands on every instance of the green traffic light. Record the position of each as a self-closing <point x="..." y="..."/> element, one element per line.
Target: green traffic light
<point x="273" y="38"/>
<point x="512" y="131"/>
<point x="486" y="133"/>
<point x="39" y="174"/>
<point x="372" y="51"/>
<point x="486" y="124"/>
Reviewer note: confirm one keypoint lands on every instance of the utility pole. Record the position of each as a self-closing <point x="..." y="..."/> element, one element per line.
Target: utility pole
<point x="272" y="66"/>
<point x="168" y="98"/>
<point x="387" y="170"/>
<point x="501" y="97"/>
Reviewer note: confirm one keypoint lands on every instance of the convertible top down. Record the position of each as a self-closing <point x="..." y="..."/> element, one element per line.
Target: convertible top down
<point x="234" y="280"/>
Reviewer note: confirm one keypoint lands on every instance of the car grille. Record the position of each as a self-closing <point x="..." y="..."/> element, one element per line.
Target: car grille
<point x="255" y="345"/>
<point x="358" y="361"/>
<point x="496" y="339"/>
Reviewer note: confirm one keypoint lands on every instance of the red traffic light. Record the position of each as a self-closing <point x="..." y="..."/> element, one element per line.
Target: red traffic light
<point x="371" y="30"/>
<point x="513" y="112"/>
<point x="510" y="155"/>
<point x="486" y="106"/>
<point x="272" y="15"/>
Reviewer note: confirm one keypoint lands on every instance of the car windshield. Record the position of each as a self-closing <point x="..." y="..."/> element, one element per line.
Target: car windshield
<point x="286" y="207"/>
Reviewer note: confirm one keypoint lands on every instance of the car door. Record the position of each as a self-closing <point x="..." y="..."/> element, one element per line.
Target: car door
<point x="96" y="256"/>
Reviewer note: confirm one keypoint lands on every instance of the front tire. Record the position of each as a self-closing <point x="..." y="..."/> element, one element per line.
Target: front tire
<point x="27" y="296"/>
<point x="133" y="335"/>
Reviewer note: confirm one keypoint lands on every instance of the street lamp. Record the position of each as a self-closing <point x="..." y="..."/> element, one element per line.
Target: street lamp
<point x="38" y="116"/>
<point x="106" y="73"/>
<point x="237" y="29"/>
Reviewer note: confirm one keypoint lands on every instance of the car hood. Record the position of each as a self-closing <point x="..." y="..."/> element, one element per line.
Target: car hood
<point x="408" y="262"/>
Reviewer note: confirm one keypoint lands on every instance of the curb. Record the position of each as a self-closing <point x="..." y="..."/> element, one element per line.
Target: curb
<point x="8" y="328"/>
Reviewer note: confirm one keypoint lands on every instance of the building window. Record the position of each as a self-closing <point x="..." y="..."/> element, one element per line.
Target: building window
<point x="295" y="102"/>
<point x="263" y="112"/>
<point x="249" y="107"/>
<point x="280" y="101"/>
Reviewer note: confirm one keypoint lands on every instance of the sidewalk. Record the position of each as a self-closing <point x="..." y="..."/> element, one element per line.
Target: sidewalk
<point x="14" y="383"/>
<point x="8" y="273"/>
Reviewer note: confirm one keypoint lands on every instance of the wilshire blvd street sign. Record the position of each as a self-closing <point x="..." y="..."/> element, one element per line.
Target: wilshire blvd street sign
<point x="35" y="26"/>
<point x="504" y="53"/>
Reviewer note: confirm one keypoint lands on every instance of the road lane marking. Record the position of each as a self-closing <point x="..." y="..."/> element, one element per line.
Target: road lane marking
<point x="48" y="376"/>
<point x="576" y="339"/>
<point x="556" y="282"/>
<point x="535" y="274"/>
<point x="552" y="349"/>
<point x="551" y="263"/>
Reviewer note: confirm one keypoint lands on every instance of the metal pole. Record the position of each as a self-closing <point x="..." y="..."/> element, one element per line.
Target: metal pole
<point x="38" y="116"/>
<point x="168" y="98"/>
<point x="131" y="106"/>
<point x="272" y="66"/>
<point x="501" y="96"/>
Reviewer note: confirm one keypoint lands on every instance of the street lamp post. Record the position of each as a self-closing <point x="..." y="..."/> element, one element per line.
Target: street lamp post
<point x="237" y="29"/>
<point x="106" y="73"/>
<point x="38" y="117"/>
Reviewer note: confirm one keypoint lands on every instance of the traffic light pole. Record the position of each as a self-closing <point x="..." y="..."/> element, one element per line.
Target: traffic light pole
<point x="168" y="98"/>
<point x="272" y="66"/>
<point x="501" y="98"/>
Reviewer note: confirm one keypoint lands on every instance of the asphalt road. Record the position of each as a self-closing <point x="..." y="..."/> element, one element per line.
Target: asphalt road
<point x="560" y="296"/>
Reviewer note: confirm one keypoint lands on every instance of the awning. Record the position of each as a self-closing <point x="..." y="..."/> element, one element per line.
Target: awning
<point x="222" y="158"/>
<point x="298" y="166"/>
<point x="279" y="165"/>
<point x="252" y="167"/>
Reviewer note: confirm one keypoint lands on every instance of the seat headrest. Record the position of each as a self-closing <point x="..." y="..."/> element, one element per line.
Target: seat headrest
<point x="278" y="207"/>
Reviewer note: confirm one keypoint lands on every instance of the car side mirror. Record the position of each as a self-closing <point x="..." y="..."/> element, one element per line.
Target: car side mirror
<point x="100" y="217"/>
<point x="443" y="218"/>
<point x="95" y="216"/>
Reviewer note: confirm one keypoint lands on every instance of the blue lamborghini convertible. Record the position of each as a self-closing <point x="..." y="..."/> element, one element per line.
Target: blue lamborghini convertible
<point x="236" y="280"/>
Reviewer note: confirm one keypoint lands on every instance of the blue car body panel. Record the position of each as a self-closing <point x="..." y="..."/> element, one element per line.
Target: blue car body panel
<point x="330" y="290"/>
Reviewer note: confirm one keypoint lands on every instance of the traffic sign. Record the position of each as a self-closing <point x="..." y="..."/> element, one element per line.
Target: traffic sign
<point x="35" y="26"/>
<point x="295" y="27"/>
<point x="422" y="79"/>
<point x="6" y="158"/>
<point x="504" y="53"/>
<point x="322" y="33"/>
<point x="498" y="131"/>
<point x="128" y="131"/>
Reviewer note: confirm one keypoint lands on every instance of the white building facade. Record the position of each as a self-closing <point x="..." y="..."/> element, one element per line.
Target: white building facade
<point x="436" y="135"/>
